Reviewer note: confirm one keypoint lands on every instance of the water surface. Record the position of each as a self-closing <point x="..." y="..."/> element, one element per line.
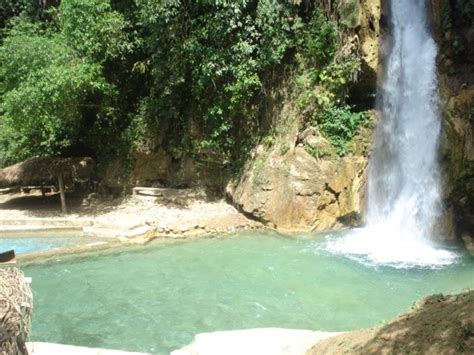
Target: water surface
<point x="28" y="244"/>
<point x="156" y="298"/>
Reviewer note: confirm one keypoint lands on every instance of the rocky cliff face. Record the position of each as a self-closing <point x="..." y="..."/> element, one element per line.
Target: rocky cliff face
<point x="453" y="25"/>
<point x="289" y="188"/>
<point x="298" y="191"/>
<point x="161" y="169"/>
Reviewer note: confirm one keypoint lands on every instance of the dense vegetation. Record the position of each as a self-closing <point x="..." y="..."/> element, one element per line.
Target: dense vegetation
<point x="106" y="77"/>
<point x="458" y="21"/>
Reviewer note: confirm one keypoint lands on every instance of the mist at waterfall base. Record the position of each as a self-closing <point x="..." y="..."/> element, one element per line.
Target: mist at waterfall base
<point x="404" y="193"/>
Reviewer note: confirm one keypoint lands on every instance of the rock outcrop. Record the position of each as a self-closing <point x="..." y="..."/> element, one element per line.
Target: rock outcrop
<point x="300" y="192"/>
<point x="435" y="325"/>
<point x="300" y="183"/>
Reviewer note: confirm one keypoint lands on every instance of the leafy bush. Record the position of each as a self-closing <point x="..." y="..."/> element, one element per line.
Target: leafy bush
<point x="284" y="148"/>
<point x="318" y="41"/>
<point x="11" y="8"/>
<point x="339" y="124"/>
<point x="93" y="29"/>
<point x="55" y="97"/>
<point x="212" y="61"/>
<point x="209" y="61"/>
<point x="466" y="8"/>
<point x="316" y="153"/>
<point x="268" y="140"/>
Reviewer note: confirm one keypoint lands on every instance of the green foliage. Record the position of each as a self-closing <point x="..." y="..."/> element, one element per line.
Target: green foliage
<point x="28" y="47"/>
<point x="207" y="61"/>
<point x="458" y="18"/>
<point x="190" y="77"/>
<point x="284" y="148"/>
<point x="93" y="29"/>
<point x="318" y="41"/>
<point x="54" y="97"/>
<point x="446" y="23"/>
<point x="323" y="74"/>
<point x="466" y="9"/>
<point x="12" y="8"/>
<point x="464" y="332"/>
<point x="339" y="124"/>
<point x="42" y="116"/>
<point x="322" y="80"/>
<point x="211" y="61"/>
<point x="268" y="140"/>
<point x="315" y="152"/>
<point x="349" y="12"/>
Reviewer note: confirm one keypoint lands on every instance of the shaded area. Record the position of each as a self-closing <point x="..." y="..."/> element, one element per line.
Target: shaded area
<point x="36" y="205"/>
<point x="83" y="202"/>
<point x="437" y="324"/>
<point x="46" y="170"/>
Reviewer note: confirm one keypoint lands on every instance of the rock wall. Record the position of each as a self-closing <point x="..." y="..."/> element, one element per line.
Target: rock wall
<point x="453" y="26"/>
<point x="299" y="192"/>
<point x="160" y="169"/>
<point x="290" y="189"/>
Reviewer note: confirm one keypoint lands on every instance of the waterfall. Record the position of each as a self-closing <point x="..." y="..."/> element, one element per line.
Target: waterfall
<point x="404" y="182"/>
<point x="404" y="199"/>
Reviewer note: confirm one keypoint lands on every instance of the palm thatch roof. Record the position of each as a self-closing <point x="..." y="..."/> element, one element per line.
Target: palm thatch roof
<point x="16" y="303"/>
<point x="45" y="170"/>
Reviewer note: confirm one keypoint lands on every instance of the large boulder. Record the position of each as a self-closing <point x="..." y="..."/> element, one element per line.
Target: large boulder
<point x="297" y="191"/>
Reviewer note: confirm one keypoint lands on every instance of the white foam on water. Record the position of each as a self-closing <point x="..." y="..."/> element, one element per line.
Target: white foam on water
<point x="379" y="245"/>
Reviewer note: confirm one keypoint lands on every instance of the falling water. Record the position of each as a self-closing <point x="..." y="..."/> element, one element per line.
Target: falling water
<point x="404" y="183"/>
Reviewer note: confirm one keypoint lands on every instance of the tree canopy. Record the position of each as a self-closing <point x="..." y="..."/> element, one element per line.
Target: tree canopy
<point x="100" y="76"/>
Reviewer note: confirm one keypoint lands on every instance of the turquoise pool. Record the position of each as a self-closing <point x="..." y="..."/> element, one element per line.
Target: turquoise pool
<point x="29" y="244"/>
<point x="157" y="297"/>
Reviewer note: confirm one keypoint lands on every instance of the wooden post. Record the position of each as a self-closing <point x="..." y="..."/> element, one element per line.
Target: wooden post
<point x="62" y="193"/>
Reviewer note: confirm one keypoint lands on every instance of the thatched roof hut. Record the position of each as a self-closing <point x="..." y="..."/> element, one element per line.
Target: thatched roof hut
<point x="38" y="171"/>
<point x="47" y="170"/>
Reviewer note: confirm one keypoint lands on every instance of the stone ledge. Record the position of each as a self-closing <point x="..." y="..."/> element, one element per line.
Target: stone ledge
<point x="40" y="348"/>
<point x="46" y="221"/>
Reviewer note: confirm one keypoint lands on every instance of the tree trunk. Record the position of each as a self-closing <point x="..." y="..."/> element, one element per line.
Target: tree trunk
<point x="62" y="193"/>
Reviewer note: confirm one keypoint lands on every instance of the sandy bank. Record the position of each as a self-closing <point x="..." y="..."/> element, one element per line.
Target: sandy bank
<point x="181" y="215"/>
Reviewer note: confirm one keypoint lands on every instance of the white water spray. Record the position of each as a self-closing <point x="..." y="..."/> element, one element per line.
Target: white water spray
<point x="404" y="199"/>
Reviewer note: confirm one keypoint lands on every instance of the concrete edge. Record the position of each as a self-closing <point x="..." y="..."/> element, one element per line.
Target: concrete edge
<point x="41" y="348"/>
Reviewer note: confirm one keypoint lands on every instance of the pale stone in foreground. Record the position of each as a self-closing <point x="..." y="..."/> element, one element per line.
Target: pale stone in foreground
<point x="265" y="341"/>
<point x="38" y="348"/>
